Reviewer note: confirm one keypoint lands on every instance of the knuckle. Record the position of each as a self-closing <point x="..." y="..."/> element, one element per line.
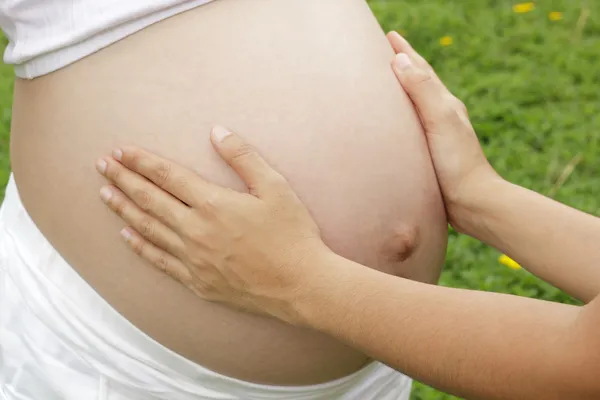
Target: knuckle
<point x="243" y="152"/>
<point x="214" y="200"/>
<point x="201" y="289"/>
<point x="451" y="109"/>
<point x="163" y="172"/>
<point x="460" y="105"/>
<point x="184" y="187"/>
<point x="180" y="183"/>
<point x="119" y="205"/>
<point x="196" y="236"/>
<point x="147" y="229"/>
<point x="133" y="158"/>
<point x="210" y="204"/>
<point x="113" y="172"/>
<point x="143" y="199"/>
<point x="212" y="281"/>
<point x="197" y="262"/>
<point x="420" y="77"/>
<point x="429" y="68"/>
<point x="162" y="263"/>
<point x="168" y="215"/>
<point x="138" y="247"/>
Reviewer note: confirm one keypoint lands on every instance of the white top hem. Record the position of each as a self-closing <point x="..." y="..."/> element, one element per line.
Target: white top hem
<point x="55" y="60"/>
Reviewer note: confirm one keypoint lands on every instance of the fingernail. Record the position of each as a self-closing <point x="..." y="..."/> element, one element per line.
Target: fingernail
<point x="101" y="166"/>
<point x="126" y="233"/>
<point x="117" y="154"/>
<point x="220" y="133"/>
<point x="105" y="194"/>
<point x="402" y="61"/>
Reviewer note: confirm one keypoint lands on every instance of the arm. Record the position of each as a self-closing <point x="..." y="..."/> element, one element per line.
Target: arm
<point x="472" y="344"/>
<point x="555" y="242"/>
<point x="559" y="244"/>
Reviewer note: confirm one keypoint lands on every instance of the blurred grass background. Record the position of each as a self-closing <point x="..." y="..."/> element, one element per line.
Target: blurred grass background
<point x="529" y="74"/>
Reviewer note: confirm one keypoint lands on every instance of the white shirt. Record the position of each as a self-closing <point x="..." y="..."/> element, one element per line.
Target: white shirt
<point x="46" y="35"/>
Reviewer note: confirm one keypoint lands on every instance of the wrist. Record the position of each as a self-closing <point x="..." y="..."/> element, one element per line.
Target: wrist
<point x="322" y="287"/>
<point x="469" y="205"/>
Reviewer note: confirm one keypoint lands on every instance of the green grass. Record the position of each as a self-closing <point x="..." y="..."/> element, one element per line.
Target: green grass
<point x="531" y="86"/>
<point x="6" y="85"/>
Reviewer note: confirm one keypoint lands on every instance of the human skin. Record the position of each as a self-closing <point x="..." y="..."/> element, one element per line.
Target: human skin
<point x="262" y="252"/>
<point x="280" y="81"/>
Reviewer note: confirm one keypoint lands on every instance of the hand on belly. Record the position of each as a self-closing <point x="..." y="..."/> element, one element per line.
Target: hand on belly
<point x="223" y="245"/>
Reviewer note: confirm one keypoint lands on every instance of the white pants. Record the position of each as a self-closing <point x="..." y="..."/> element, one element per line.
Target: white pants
<point x="59" y="340"/>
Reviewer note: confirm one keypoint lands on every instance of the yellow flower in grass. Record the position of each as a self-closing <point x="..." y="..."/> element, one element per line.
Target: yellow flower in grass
<point x="522" y="8"/>
<point x="446" y="41"/>
<point x="509" y="262"/>
<point x="555" y="16"/>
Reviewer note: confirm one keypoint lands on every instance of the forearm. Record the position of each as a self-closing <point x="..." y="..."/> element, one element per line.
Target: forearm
<point x="555" y="242"/>
<point x="472" y="344"/>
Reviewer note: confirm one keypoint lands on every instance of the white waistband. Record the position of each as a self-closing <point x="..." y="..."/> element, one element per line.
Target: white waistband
<point x="53" y="297"/>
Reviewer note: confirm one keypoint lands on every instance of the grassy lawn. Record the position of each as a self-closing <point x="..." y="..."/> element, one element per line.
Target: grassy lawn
<point x="531" y="82"/>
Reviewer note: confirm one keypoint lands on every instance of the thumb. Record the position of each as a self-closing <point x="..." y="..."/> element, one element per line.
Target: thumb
<point x="428" y="94"/>
<point x="261" y="179"/>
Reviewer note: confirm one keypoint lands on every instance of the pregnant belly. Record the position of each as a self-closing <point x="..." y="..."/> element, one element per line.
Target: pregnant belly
<point x="309" y="84"/>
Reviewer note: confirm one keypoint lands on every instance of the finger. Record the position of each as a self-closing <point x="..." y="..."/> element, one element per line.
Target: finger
<point x="149" y="227"/>
<point x="173" y="178"/>
<point x="145" y="194"/>
<point x="401" y="45"/>
<point x="436" y="106"/>
<point x="157" y="257"/>
<point x="257" y="174"/>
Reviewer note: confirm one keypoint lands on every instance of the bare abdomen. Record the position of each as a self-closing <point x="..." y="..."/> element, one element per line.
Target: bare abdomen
<point x="309" y="84"/>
